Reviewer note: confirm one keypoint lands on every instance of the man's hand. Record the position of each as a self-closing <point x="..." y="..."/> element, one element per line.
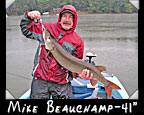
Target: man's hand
<point x="34" y="14"/>
<point x="86" y="75"/>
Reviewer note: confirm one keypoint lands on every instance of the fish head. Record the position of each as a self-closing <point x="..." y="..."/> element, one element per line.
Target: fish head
<point x="48" y="44"/>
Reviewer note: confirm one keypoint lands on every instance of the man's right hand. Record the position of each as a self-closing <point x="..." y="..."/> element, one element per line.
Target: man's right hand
<point x="34" y="14"/>
<point x="86" y="75"/>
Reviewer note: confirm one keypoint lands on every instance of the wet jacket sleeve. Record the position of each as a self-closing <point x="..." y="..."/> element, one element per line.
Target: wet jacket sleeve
<point x="30" y="29"/>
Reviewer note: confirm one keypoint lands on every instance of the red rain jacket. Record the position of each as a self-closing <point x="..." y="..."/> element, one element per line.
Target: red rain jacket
<point x="47" y="67"/>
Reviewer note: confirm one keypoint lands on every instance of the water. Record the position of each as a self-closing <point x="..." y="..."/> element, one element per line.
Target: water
<point x="113" y="37"/>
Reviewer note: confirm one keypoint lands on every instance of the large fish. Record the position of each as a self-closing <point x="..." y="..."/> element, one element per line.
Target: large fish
<point x="74" y="64"/>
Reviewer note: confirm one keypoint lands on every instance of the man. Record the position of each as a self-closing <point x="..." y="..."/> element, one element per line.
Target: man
<point x="49" y="77"/>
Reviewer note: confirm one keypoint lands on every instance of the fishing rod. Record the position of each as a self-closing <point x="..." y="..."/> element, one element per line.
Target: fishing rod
<point x="18" y="75"/>
<point x="43" y="28"/>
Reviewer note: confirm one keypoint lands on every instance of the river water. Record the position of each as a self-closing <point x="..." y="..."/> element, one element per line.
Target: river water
<point x="113" y="37"/>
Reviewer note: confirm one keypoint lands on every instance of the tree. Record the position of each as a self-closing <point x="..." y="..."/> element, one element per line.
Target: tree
<point x="95" y="6"/>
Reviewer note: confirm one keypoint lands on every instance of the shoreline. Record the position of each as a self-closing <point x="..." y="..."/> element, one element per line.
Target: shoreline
<point x="78" y="12"/>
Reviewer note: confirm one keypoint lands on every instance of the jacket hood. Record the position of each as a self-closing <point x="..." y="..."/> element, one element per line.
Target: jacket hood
<point x="71" y="8"/>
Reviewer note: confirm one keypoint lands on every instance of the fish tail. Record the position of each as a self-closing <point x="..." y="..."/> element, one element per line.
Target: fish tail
<point x="110" y="87"/>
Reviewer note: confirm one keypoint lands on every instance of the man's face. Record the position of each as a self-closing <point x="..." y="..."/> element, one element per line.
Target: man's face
<point x="67" y="21"/>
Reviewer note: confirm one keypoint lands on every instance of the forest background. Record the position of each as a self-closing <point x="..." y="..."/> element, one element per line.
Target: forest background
<point x="82" y="6"/>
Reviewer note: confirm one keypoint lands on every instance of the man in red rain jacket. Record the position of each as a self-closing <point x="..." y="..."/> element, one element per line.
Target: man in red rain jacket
<point x="49" y="77"/>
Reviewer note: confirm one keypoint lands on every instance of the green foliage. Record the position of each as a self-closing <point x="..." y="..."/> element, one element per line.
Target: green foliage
<point x="95" y="6"/>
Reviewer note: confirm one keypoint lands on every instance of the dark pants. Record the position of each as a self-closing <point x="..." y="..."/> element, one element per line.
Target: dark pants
<point x="41" y="89"/>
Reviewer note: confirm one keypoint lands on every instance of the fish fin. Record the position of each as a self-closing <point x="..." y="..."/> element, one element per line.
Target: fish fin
<point x="93" y="82"/>
<point x="101" y="68"/>
<point x="110" y="87"/>
<point x="48" y="53"/>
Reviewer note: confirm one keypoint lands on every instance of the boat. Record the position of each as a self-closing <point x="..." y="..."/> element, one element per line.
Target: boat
<point x="82" y="89"/>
